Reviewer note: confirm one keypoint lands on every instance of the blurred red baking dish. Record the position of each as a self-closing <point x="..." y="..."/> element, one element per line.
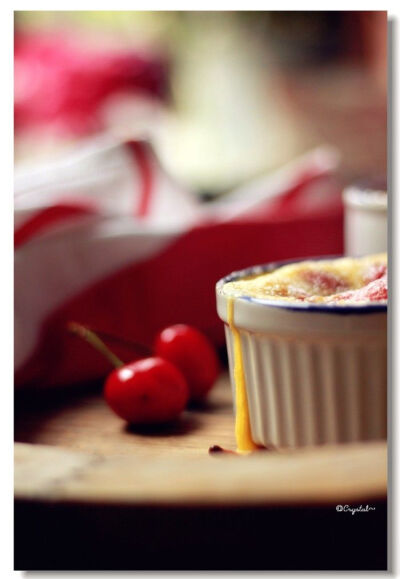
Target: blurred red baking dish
<point x="175" y="285"/>
<point x="125" y="269"/>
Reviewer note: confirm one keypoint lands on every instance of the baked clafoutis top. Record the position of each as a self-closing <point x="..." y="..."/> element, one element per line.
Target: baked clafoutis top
<point x="341" y="281"/>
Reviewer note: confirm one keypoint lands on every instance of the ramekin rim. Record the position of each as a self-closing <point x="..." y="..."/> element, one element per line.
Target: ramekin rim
<point x="338" y="309"/>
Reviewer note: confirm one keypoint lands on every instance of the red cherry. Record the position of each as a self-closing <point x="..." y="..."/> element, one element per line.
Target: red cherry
<point x="147" y="391"/>
<point x="191" y="352"/>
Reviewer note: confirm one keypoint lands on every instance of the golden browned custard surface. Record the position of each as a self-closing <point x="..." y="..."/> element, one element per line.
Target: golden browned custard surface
<point x="342" y="281"/>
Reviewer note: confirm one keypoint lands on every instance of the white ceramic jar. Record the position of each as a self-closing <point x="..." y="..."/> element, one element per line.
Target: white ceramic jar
<point x="365" y="225"/>
<point x="314" y="373"/>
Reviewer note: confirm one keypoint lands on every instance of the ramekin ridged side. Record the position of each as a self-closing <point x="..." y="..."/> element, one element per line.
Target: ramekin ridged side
<point x="313" y="375"/>
<point x="309" y="392"/>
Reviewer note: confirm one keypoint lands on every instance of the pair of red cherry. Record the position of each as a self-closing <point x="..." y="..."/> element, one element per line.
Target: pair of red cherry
<point x="157" y="389"/>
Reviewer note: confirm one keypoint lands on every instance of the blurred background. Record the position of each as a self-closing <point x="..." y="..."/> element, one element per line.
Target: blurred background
<point x="159" y="146"/>
<point x="223" y="96"/>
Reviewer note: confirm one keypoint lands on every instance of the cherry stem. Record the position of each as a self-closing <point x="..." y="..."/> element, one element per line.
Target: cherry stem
<point x="144" y="350"/>
<point x="95" y="341"/>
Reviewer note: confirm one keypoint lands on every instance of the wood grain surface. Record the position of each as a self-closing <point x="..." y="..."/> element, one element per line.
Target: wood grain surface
<point x="82" y="421"/>
<point x="70" y="447"/>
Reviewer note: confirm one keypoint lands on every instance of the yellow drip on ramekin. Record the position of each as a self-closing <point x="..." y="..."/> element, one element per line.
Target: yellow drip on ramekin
<point x="244" y="439"/>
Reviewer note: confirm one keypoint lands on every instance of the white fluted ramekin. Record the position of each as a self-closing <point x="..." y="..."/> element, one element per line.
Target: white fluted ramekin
<point x="314" y="373"/>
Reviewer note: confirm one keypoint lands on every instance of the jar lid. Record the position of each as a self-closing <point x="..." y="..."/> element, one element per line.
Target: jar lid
<point x="366" y="197"/>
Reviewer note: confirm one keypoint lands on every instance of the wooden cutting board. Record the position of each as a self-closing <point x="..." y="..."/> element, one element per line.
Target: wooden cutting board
<point x="71" y="447"/>
<point x="93" y="494"/>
